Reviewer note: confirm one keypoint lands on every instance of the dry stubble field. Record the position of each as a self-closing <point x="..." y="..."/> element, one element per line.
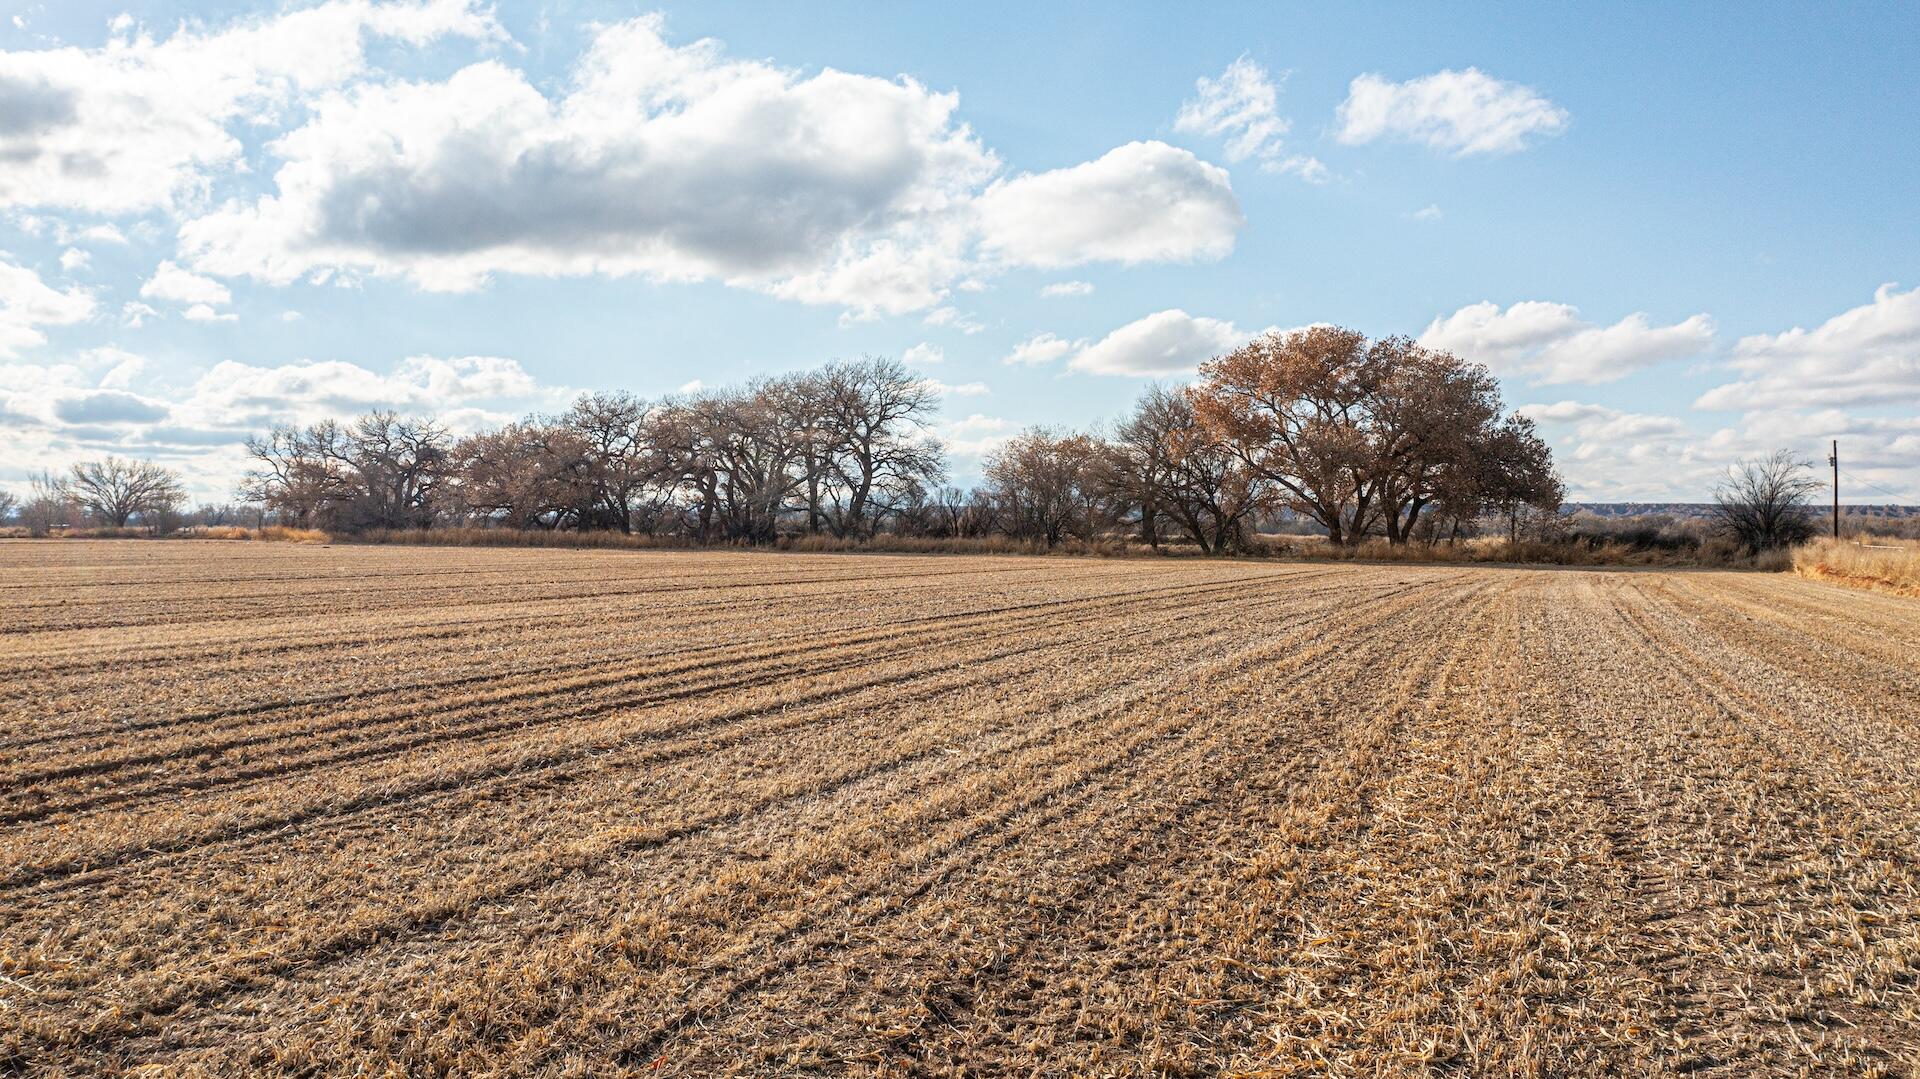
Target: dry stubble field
<point x="274" y="808"/>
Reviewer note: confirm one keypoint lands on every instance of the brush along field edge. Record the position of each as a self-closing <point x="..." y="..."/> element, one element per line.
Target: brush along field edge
<point x="483" y="811"/>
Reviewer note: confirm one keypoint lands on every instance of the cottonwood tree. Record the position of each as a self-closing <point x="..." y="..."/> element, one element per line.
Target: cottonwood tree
<point x="1432" y="419"/>
<point x="49" y="505"/>
<point x="1047" y="484"/>
<point x="1512" y="469"/>
<point x="1166" y="467"/>
<point x="1362" y="437"/>
<point x="612" y="428"/>
<point x="382" y="471"/>
<point x="1764" y="503"/>
<point x="1291" y="407"/>
<point x="114" y="491"/>
<point x="299" y="473"/>
<point x="526" y="475"/>
<point x="865" y="443"/>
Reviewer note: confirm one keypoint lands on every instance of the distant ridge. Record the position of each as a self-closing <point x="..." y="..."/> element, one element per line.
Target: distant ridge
<point x="1701" y="509"/>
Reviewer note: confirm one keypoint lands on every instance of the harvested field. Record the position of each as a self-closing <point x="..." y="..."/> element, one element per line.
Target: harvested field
<point x="348" y="810"/>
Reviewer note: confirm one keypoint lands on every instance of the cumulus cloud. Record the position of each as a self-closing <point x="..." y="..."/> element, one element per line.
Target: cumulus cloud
<point x="1142" y="202"/>
<point x="28" y="303"/>
<point x="1549" y="342"/>
<point x="179" y="285"/>
<point x="1609" y="454"/>
<point x="140" y="123"/>
<point x="1866" y="355"/>
<point x="1067" y="288"/>
<point x="92" y="404"/>
<point x="669" y="161"/>
<point x="672" y="162"/>
<point x="678" y="163"/>
<point x="1039" y="349"/>
<point x="975" y="436"/>
<point x="956" y="319"/>
<point x="236" y="392"/>
<point x="109" y="406"/>
<point x="1459" y="112"/>
<point x="1242" y="106"/>
<point x="1169" y="342"/>
<point x="964" y="389"/>
<point x="923" y="354"/>
<point x="201" y="312"/>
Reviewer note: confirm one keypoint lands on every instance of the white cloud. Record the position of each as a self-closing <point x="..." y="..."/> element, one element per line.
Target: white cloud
<point x="1142" y="202"/>
<point x="1429" y="212"/>
<point x="674" y="162"/>
<point x="691" y="386"/>
<point x="964" y="389"/>
<point x="1067" y="288"/>
<point x="1608" y="454"/>
<point x="101" y="234"/>
<point x="126" y="366"/>
<point x="923" y="354"/>
<point x="1866" y="355"/>
<point x="141" y="123"/>
<point x="136" y="314"/>
<point x="233" y="393"/>
<point x="1241" y="105"/>
<point x="952" y="316"/>
<point x="1549" y="343"/>
<point x="671" y="162"/>
<point x="73" y="259"/>
<point x="28" y="303"/>
<point x="291" y="316"/>
<point x="178" y="285"/>
<point x="203" y="313"/>
<point x="1168" y="342"/>
<point x="974" y="437"/>
<point x="93" y="404"/>
<point x="1460" y="112"/>
<point x="1039" y="349"/>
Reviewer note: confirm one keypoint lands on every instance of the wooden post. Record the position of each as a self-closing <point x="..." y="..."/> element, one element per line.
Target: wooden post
<point x="1834" y="460"/>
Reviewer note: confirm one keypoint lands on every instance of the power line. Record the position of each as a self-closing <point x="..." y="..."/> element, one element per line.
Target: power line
<point x="1869" y="483"/>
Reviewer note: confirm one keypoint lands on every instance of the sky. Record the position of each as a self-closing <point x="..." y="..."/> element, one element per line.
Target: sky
<point x="1681" y="236"/>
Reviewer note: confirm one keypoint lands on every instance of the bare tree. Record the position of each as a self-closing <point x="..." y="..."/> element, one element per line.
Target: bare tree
<point x="50" y="504"/>
<point x="300" y="473"/>
<point x="611" y="426"/>
<point x="114" y="491"/>
<point x="870" y="415"/>
<point x="1166" y="467"/>
<point x="382" y="471"/>
<point x="8" y="503"/>
<point x="525" y="475"/>
<point x="1763" y="503"/>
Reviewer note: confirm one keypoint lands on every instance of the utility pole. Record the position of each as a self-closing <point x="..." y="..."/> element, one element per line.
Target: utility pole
<point x="1834" y="460"/>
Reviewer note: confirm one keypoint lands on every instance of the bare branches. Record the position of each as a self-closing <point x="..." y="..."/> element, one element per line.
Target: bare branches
<point x="1763" y="503"/>
<point x="115" y="491"/>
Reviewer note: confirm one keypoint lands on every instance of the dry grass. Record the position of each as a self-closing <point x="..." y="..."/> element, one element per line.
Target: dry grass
<point x="274" y="808"/>
<point x="1878" y="563"/>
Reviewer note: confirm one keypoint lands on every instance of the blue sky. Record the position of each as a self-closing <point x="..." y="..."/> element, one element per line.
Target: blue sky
<point x="1670" y="232"/>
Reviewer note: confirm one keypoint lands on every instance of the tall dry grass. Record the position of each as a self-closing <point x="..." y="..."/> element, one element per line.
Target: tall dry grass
<point x="1874" y="562"/>
<point x="269" y="534"/>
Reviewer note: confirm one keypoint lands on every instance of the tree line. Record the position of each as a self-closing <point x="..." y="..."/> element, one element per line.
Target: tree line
<point x="1361" y="437"/>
